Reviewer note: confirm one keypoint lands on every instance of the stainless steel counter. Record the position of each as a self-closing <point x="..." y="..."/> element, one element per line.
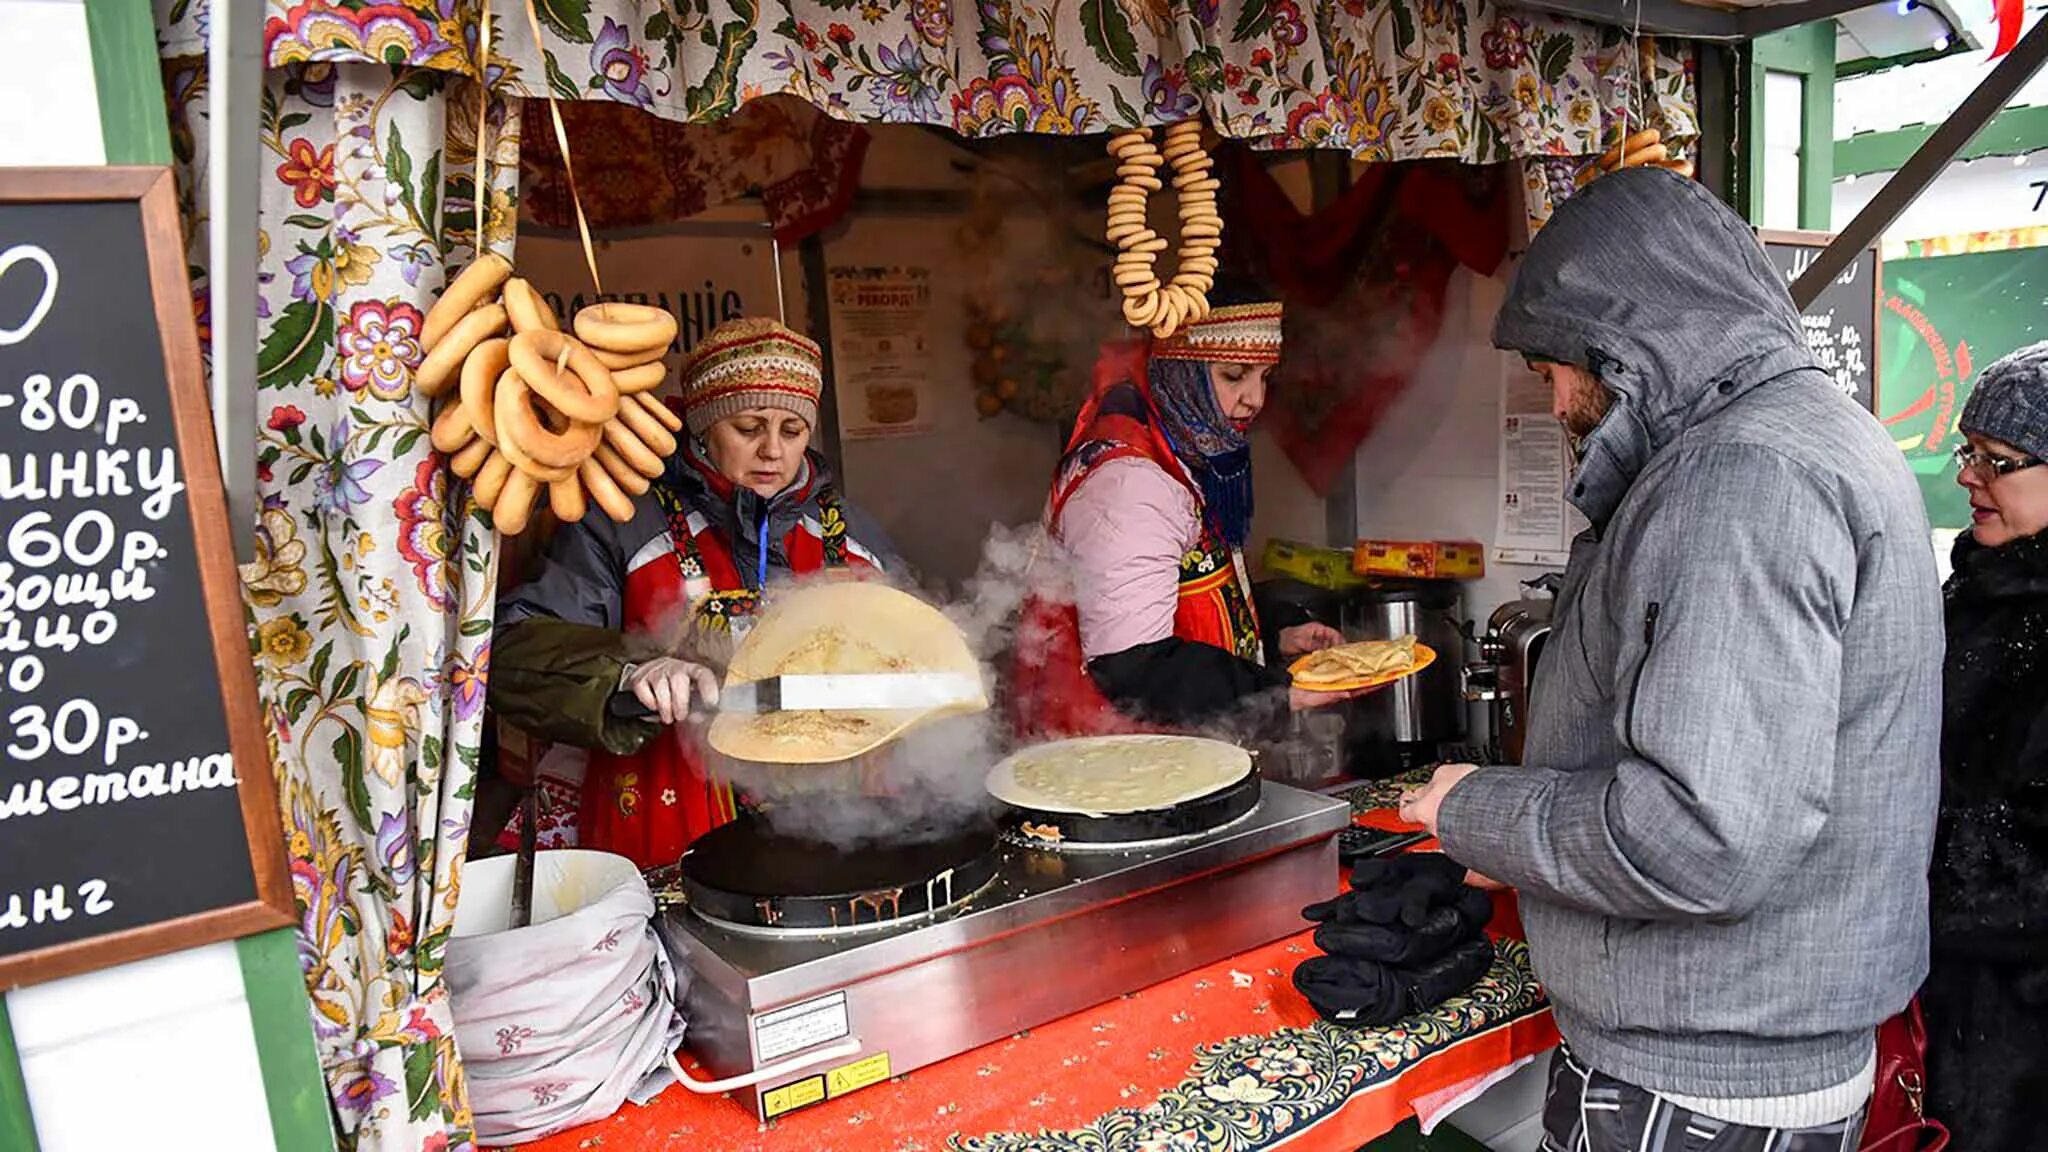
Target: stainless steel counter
<point x="1053" y="933"/>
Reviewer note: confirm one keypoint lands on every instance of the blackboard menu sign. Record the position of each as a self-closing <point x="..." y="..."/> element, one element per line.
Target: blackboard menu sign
<point x="137" y="812"/>
<point x="1841" y="324"/>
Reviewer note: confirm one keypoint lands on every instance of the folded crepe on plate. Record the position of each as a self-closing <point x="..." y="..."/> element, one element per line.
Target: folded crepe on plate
<point x="1113" y="775"/>
<point x="840" y="628"/>
<point x="1349" y="663"/>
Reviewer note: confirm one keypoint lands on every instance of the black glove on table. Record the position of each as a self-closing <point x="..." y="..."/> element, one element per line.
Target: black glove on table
<point x="1463" y="919"/>
<point x="1424" y="880"/>
<point x="1365" y="994"/>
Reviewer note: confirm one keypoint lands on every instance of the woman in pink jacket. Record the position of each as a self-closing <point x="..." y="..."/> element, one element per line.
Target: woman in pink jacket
<point x="1149" y="513"/>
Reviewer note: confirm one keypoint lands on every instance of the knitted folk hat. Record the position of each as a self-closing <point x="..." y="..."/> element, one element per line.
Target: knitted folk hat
<point x="751" y="363"/>
<point x="2010" y="402"/>
<point x="1232" y="334"/>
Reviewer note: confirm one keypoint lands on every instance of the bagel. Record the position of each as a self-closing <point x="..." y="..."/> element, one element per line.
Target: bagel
<point x="648" y="430"/>
<point x="471" y="459"/>
<point x="636" y="454"/>
<point x="598" y="483"/>
<point x="592" y="397"/>
<point x="634" y="381"/>
<point x="618" y="360"/>
<point x="452" y="428"/>
<point x="620" y="472"/>
<point x="490" y="480"/>
<point x="438" y="370"/>
<point x="1654" y="154"/>
<point x="531" y="445"/>
<point x="659" y="409"/>
<point x="527" y="308"/>
<point x="479" y="383"/>
<point x="464" y="294"/>
<point x="623" y="327"/>
<point x="515" y="504"/>
<point x="565" y="500"/>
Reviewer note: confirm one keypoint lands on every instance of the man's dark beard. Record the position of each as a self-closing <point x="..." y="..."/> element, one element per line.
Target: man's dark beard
<point x="1588" y="408"/>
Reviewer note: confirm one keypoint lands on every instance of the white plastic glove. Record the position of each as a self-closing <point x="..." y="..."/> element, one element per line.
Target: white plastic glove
<point x="667" y="684"/>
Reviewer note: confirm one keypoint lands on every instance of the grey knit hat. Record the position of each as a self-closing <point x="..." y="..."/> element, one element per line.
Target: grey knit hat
<point x="2010" y="402"/>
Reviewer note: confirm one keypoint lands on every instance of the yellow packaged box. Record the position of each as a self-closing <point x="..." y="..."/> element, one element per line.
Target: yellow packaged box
<point x="1322" y="567"/>
<point x="1420" y="559"/>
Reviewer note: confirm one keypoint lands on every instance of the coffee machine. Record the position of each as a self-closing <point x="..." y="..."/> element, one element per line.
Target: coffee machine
<point x="1505" y="674"/>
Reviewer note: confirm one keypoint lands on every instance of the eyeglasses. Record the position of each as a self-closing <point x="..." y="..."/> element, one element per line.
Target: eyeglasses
<point x="1968" y="458"/>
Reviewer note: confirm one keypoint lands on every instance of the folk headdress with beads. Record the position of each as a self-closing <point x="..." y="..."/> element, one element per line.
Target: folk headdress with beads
<point x="1232" y="334"/>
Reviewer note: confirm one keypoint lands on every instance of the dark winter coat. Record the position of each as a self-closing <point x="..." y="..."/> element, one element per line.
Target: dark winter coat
<point x="1986" y="998"/>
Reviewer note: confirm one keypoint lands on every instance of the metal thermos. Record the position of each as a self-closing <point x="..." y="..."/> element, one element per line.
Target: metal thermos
<point x="1403" y="725"/>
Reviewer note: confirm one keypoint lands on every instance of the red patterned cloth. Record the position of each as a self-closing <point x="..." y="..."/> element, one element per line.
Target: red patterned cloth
<point x="638" y="170"/>
<point x="1364" y="282"/>
<point x="1154" y="1071"/>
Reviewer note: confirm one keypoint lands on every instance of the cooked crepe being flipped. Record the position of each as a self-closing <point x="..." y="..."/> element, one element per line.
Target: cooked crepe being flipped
<point x="1351" y="663"/>
<point x="1109" y="775"/>
<point x="850" y="628"/>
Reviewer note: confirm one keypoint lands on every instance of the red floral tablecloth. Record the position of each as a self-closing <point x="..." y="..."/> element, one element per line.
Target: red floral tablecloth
<point x="1226" y="1057"/>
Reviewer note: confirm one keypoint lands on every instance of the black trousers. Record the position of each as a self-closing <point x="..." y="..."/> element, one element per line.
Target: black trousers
<point x="1586" y="1111"/>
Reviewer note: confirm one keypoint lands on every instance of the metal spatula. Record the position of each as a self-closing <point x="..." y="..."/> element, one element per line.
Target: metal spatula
<point x="881" y="691"/>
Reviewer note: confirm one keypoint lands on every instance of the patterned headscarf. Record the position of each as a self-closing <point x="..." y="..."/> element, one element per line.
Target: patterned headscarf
<point x="1214" y="450"/>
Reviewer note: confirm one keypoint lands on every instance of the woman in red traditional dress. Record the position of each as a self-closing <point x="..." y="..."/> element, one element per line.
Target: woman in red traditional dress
<point x="651" y="605"/>
<point x="1148" y="514"/>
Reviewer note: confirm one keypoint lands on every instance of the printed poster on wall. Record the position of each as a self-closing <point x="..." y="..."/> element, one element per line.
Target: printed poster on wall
<point x="1535" y="523"/>
<point x="881" y="341"/>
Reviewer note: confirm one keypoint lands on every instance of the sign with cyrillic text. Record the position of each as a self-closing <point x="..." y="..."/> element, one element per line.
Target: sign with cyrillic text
<point x="137" y="812"/>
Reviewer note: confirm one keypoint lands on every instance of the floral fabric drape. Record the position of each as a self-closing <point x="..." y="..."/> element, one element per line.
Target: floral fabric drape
<point x="370" y="589"/>
<point x="1380" y="79"/>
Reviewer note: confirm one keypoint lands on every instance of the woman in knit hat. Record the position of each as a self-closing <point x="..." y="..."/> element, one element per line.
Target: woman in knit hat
<point x="1986" y="999"/>
<point x="1150" y="510"/>
<point x="744" y="503"/>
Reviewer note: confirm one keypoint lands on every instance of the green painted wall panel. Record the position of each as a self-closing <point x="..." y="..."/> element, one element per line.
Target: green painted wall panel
<point x="133" y="120"/>
<point x="17" y="1125"/>
<point x="281" y="1015"/>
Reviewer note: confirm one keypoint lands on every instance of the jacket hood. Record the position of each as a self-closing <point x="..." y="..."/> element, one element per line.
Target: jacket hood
<point x="1666" y="296"/>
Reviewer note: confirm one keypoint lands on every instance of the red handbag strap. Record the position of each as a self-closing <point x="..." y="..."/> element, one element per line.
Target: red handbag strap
<point x="1916" y="1129"/>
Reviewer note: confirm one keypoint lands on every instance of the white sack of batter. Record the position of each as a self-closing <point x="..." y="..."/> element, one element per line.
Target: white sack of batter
<point x="1109" y="775"/>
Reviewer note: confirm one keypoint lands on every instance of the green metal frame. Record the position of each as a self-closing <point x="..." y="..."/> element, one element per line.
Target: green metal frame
<point x="17" y="1124"/>
<point x="133" y="120"/>
<point x="1807" y="51"/>
<point x="281" y="1017"/>
<point x="2013" y="132"/>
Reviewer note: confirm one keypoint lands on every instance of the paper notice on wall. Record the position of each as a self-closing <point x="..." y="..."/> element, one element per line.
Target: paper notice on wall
<point x="881" y="340"/>
<point x="1535" y="523"/>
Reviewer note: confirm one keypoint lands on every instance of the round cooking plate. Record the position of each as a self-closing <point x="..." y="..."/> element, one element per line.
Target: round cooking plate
<point x="1188" y="818"/>
<point x="744" y="873"/>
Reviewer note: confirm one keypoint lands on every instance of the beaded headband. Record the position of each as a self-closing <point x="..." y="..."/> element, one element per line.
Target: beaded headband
<point x="1232" y="334"/>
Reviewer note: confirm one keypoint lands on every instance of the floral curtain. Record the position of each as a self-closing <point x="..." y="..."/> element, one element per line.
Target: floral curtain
<point x="1380" y="79"/>
<point x="372" y="584"/>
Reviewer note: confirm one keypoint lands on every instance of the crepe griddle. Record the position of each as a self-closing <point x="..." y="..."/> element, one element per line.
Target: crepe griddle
<point x="1188" y="818"/>
<point x="745" y="873"/>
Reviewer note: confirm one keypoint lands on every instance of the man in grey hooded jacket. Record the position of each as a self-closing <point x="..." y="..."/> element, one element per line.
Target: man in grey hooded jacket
<point x="1722" y="826"/>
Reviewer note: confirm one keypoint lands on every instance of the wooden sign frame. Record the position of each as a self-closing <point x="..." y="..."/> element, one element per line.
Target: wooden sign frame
<point x="1806" y="238"/>
<point x="153" y="190"/>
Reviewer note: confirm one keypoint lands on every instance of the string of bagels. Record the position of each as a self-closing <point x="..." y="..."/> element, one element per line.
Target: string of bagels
<point x="526" y="410"/>
<point x="1165" y="306"/>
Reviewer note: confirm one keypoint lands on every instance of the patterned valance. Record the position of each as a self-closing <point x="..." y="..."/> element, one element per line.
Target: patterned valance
<point x="1380" y="79"/>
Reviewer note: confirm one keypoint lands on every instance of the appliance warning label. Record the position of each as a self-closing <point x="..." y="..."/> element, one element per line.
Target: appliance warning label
<point x="800" y="1026"/>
